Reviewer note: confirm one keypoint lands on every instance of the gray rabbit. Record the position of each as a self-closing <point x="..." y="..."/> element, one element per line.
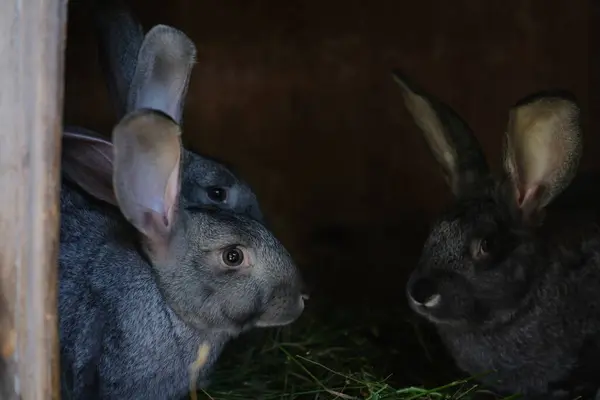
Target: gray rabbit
<point x="132" y="83"/>
<point x="146" y="281"/>
<point x="521" y="315"/>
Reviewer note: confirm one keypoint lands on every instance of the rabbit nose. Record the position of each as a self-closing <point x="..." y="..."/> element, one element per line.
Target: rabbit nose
<point x="425" y="292"/>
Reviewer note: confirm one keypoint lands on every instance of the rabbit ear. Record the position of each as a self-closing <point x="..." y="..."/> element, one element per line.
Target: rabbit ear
<point x="542" y="148"/>
<point x="147" y="152"/>
<point x="161" y="78"/>
<point x="87" y="160"/>
<point x="120" y="39"/>
<point x="449" y="138"/>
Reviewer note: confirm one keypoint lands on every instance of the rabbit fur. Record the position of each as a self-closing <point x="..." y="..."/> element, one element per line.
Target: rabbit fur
<point x="132" y="84"/>
<point x="522" y="316"/>
<point x="146" y="276"/>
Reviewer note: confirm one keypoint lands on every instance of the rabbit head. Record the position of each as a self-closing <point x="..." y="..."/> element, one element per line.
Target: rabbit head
<point x="134" y="81"/>
<point x="217" y="270"/>
<point x="477" y="265"/>
<point x="205" y="181"/>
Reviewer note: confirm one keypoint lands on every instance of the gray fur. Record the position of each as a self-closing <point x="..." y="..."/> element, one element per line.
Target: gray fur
<point x="120" y="39"/>
<point x="135" y="306"/>
<point x="142" y="269"/>
<point x="521" y="315"/>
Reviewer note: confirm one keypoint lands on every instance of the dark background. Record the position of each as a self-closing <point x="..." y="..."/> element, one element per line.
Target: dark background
<point x="298" y="96"/>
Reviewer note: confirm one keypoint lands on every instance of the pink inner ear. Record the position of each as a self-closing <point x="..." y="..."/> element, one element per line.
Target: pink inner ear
<point x="518" y="196"/>
<point x="531" y="200"/>
<point x="171" y="195"/>
<point x="155" y="227"/>
<point x="88" y="161"/>
<point x="528" y="196"/>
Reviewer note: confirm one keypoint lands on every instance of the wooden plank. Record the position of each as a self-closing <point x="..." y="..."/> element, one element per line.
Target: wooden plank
<point x="32" y="41"/>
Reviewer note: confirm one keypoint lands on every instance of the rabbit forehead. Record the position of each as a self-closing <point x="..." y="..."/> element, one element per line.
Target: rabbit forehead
<point x="451" y="234"/>
<point x="201" y="172"/>
<point x="204" y="172"/>
<point x="212" y="229"/>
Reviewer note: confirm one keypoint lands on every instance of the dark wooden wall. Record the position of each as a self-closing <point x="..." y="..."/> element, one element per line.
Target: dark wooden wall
<point x="298" y="95"/>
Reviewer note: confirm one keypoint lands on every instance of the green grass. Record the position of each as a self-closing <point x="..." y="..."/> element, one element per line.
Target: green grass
<point x="327" y="356"/>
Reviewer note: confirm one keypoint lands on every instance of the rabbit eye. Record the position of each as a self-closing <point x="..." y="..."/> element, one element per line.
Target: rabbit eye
<point x="233" y="257"/>
<point x="217" y="194"/>
<point x="483" y="246"/>
<point x="480" y="248"/>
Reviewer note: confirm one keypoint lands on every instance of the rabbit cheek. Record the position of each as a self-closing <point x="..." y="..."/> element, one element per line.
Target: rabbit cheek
<point x="458" y="305"/>
<point x="243" y="311"/>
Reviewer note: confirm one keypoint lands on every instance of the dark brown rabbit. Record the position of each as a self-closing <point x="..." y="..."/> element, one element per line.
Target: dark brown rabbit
<point x="519" y="313"/>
